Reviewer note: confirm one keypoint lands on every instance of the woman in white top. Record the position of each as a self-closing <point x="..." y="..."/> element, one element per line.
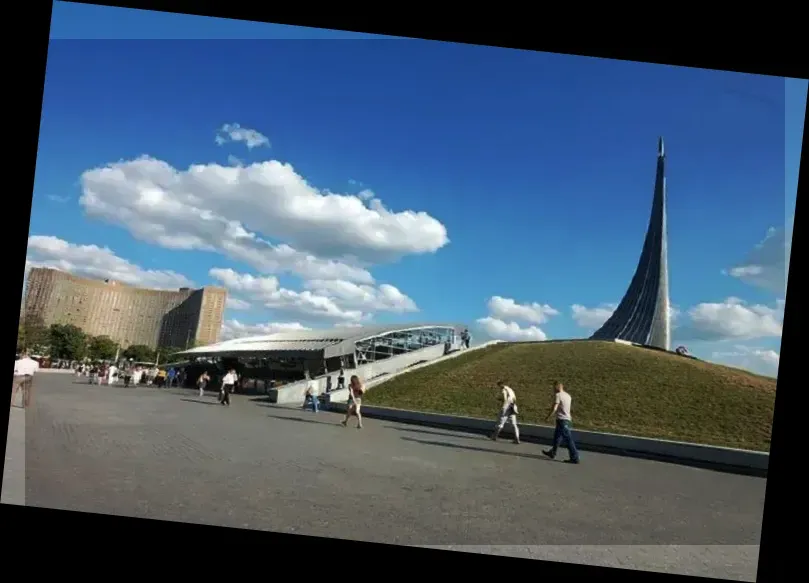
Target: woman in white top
<point x="508" y="412"/>
<point x="355" y="391"/>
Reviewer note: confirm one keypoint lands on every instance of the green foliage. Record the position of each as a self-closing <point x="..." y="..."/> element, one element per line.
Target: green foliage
<point x="170" y="353"/>
<point x="615" y="389"/>
<point x="33" y="335"/>
<point x="67" y="342"/>
<point x="139" y="353"/>
<point x="101" y="348"/>
<point x="20" y="337"/>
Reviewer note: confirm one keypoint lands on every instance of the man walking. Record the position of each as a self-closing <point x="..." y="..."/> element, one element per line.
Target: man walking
<point x="24" y="370"/>
<point x="561" y="408"/>
<point x="227" y="387"/>
<point x="310" y="398"/>
<point x="508" y="412"/>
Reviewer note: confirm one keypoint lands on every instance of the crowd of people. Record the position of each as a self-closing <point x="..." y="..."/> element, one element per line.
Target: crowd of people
<point x="130" y="374"/>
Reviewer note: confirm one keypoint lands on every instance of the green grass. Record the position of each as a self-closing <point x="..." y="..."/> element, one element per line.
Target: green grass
<point x="615" y="389"/>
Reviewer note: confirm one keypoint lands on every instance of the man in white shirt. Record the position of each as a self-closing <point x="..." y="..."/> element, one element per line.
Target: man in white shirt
<point x="561" y="408"/>
<point x="24" y="370"/>
<point x="112" y="375"/>
<point x="228" y="381"/>
<point x="310" y="398"/>
<point x="508" y="412"/>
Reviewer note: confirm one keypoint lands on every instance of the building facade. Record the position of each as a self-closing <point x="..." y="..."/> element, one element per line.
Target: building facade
<point x="644" y="314"/>
<point x="127" y="314"/>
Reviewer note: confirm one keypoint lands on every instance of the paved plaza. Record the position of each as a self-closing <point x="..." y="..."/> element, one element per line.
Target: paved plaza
<point x="172" y="455"/>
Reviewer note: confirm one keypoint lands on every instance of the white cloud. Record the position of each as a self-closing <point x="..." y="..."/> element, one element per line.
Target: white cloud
<point x="592" y="318"/>
<point x="507" y="309"/>
<point x="234" y="161"/>
<point x="267" y="291"/>
<point x="385" y="298"/>
<point x="57" y="198"/>
<point x="760" y="360"/>
<point x="502" y="323"/>
<point x="767" y="265"/>
<point x="233" y="210"/>
<point x="500" y="330"/>
<point x="233" y="132"/>
<point x="234" y="329"/>
<point x="97" y="262"/>
<point x="237" y="304"/>
<point x="734" y="319"/>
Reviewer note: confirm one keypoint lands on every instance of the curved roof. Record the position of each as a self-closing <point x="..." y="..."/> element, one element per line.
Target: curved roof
<point x="332" y="341"/>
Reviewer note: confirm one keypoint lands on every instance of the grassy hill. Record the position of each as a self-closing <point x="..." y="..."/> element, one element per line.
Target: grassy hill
<point x="615" y="388"/>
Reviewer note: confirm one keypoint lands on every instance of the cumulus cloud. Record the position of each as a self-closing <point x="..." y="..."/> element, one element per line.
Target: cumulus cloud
<point x="97" y="262"/>
<point x="240" y="210"/>
<point x="235" y="329"/>
<point x="734" y="319"/>
<point x="506" y="315"/>
<point x="511" y="331"/>
<point x="767" y="265"/>
<point x="237" y="304"/>
<point x="508" y="309"/>
<point x="592" y="318"/>
<point x="233" y="132"/>
<point x="385" y="298"/>
<point x="332" y="300"/>
<point x="760" y="360"/>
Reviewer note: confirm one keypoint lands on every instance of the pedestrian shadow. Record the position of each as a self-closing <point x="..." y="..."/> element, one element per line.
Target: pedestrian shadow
<point x="439" y="433"/>
<point x="472" y="448"/>
<point x="303" y="420"/>
<point x="199" y="401"/>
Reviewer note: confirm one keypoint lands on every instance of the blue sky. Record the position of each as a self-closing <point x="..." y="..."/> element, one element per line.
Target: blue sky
<point x="493" y="187"/>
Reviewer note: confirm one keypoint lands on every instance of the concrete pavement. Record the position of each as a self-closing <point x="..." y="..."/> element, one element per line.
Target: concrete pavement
<point x="172" y="455"/>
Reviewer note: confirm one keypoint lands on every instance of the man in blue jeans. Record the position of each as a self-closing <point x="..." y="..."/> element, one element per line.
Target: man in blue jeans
<point x="561" y="408"/>
<point x="310" y="397"/>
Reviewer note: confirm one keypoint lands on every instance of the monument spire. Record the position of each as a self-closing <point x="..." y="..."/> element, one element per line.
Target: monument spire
<point x="644" y="314"/>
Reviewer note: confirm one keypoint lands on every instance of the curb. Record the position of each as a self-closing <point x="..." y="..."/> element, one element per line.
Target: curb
<point x="723" y="459"/>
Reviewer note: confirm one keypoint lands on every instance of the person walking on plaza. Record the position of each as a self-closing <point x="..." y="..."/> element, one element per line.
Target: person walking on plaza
<point x="202" y="382"/>
<point x="228" y="381"/>
<point x="310" y="398"/>
<point x="508" y="412"/>
<point x="562" y="408"/>
<point x="24" y="370"/>
<point x="355" y="391"/>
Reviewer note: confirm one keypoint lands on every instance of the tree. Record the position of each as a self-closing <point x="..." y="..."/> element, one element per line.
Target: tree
<point x="20" y="337"/>
<point x="139" y="353"/>
<point x="35" y="335"/>
<point x="102" y="348"/>
<point x="168" y="354"/>
<point x="67" y="341"/>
